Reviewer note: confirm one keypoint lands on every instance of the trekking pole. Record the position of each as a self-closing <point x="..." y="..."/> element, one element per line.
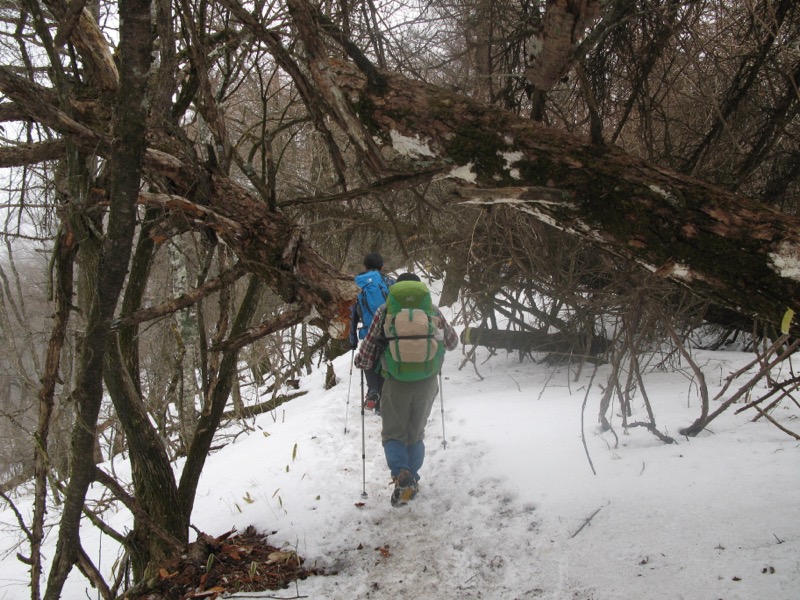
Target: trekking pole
<point x="441" y="398"/>
<point x="349" y="383"/>
<point x="363" y="443"/>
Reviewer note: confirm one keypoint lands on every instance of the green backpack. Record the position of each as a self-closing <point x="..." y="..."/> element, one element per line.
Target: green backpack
<point x="413" y="352"/>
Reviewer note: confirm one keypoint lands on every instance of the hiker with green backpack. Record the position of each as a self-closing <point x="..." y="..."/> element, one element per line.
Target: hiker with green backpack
<point x="407" y="339"/>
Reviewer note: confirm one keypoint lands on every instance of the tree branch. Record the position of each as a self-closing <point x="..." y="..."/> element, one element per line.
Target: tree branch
<point x="136" y="509"/>
<point x="35" y="101"/>
<point x="183" y="301"/>
<point x="769" y="418"/>
<point x="250" y="335"/>
<point x="30" y="154"/>
<point x="398" y="181"/>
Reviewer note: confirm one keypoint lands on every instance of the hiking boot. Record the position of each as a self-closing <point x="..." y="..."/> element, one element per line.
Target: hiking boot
<point x="373" y="401"/>
<point x="405" y="488"/>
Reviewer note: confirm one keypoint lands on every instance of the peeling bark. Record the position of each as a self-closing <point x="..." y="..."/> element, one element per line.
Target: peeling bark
<point x="272" y="246"/>
<point x="565" y="23"/>
<point x="266" y="241"/>
<point x="82" y="30"/>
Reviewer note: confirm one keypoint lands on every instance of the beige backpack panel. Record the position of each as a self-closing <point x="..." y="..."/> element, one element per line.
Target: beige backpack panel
<point x="411" y="323"/>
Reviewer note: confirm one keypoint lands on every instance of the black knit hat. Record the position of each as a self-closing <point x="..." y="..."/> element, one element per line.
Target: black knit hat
<point x="373" y="260"/>
<point x="407" y="277"/>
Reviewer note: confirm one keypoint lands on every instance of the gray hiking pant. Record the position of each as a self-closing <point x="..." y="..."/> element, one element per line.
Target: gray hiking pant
<point x="405" y="408"/>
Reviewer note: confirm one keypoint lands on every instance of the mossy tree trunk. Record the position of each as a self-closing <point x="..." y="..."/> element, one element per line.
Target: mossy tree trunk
<point x="735" y="252"/>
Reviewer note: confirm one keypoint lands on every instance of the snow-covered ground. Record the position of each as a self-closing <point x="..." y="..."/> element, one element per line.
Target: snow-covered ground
<point x="510" y="508"/>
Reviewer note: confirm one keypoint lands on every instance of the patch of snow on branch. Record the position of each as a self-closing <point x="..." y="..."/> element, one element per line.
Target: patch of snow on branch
<point x="646" y="265"/>
<point x="527" y="206"/>
<point x="681" y="272"/>
<point x="786" y="262"/>
<point x="534" y="47"/>
<point x="511" y="158"/>
<point x="464" y="172"/>
<point x="410" y="146"/>
<point x="668" y="196"/>
<point x="498" y="200"/>
<point x="660" y="191"/>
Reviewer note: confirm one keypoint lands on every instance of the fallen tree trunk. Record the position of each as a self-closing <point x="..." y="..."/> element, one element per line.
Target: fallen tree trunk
<point x="726" y="248"/>
<point x="262" y="407"/>
<point x="534" y="341"/>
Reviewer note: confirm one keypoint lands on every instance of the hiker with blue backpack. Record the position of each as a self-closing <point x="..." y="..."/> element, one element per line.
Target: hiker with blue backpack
<point x="373" y="288"/>
<point x="406" y="341"/>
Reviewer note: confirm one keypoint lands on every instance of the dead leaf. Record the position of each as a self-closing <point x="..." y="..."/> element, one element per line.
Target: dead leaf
<point x="231" y="552"/>
<point x="225" y="535"/>
<point x="281" y="557"/>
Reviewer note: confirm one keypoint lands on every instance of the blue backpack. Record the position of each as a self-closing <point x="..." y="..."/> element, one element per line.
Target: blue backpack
<point x="374" y="290"/>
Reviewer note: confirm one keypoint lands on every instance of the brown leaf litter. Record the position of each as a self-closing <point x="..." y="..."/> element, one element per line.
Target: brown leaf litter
<point x="212" y="567"/>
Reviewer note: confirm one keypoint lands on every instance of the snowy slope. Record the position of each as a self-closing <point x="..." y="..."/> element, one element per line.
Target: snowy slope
<point x="503" y="509"/>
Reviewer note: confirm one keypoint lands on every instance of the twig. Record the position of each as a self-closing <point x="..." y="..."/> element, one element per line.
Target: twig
<point x="544" y="387"/>
<point x="654" y="430"/>
<point x="702" y="388"/>
<point x="583" y="411"/>
<point x="779" y="387"/>
<point x="92" y="573"/>
<point x="251" y="595"/>
<point x="471" y="357"/>
<point x="191" y="297"/>
<point x="699" y="425"/>
<point x="586" y="522"/>
<point x="778" y="425"/>
<point x="18" y="515"/>
<point x="651" y="426"/>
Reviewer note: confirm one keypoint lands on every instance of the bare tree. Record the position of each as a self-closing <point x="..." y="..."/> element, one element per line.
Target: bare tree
<point x="270" y="145"/>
